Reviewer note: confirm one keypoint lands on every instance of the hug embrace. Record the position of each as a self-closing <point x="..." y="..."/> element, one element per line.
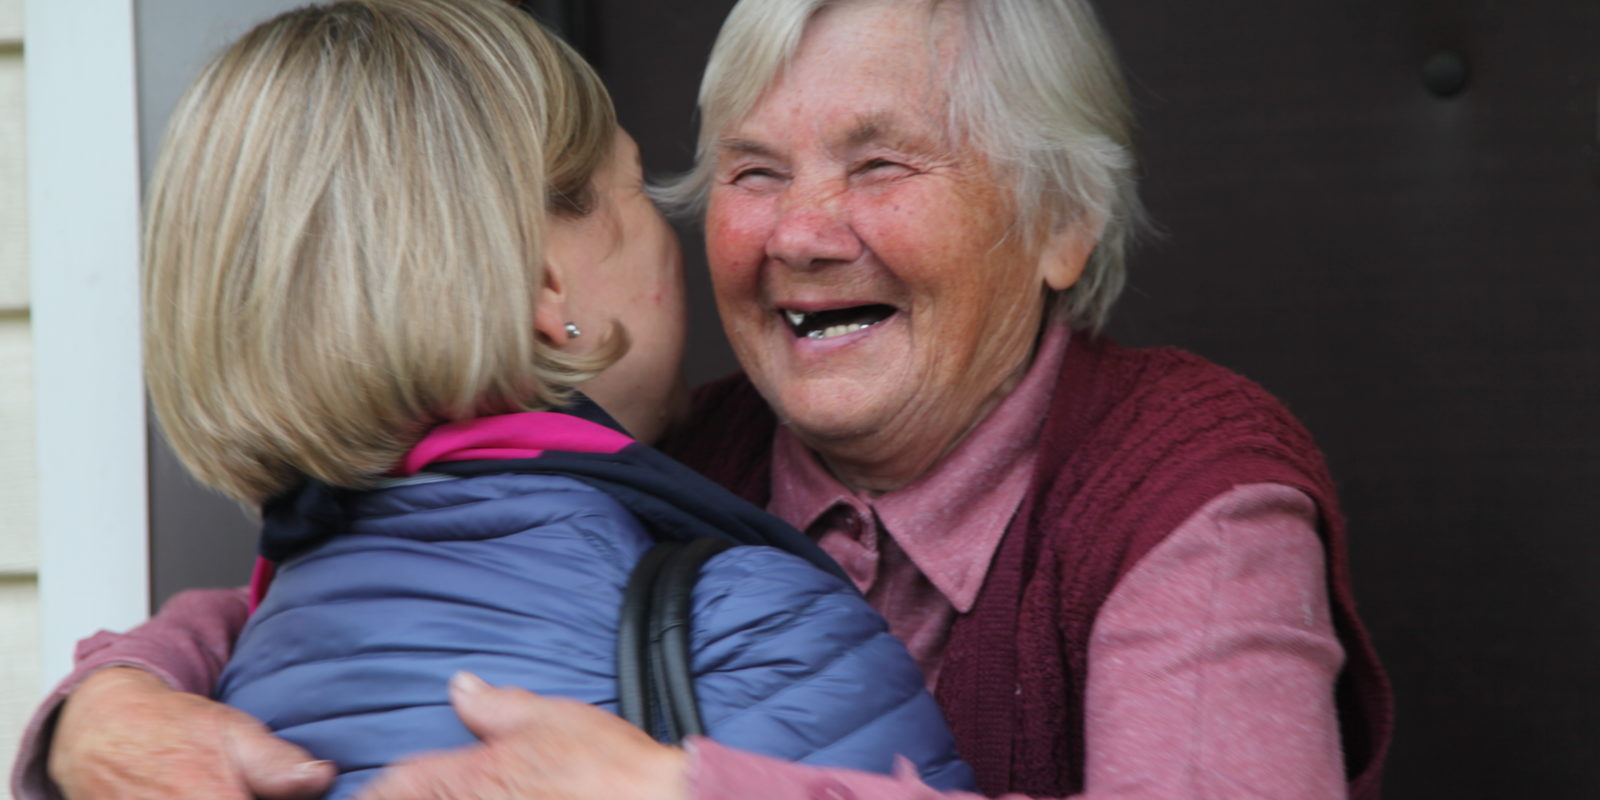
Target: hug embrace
<point x="408" y="296"/>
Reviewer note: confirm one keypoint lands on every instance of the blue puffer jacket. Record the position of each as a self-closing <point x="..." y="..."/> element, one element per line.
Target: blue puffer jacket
<point x="519" y="578"/>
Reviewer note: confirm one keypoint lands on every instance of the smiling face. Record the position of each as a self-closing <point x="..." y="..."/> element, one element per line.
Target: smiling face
<point x="621" y="263"/>
<point x="865" y="264"/>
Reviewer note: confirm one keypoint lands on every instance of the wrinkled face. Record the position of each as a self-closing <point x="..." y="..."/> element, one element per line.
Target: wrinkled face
<point x="622" y="263"/>
<point x="864" y="263"/>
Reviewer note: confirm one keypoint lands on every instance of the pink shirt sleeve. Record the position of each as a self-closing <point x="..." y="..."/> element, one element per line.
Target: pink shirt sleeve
<point x="186" y="644"/>
<point x="1211" y="675"/>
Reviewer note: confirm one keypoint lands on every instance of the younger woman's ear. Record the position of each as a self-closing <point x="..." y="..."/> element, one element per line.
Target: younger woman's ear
<point x="550" y="313"/>
<point x="1065" y="254"/>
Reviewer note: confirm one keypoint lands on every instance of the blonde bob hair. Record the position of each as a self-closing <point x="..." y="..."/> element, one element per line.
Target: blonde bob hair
<point x="345" y="235"/>
<point x="1033" y="84"/>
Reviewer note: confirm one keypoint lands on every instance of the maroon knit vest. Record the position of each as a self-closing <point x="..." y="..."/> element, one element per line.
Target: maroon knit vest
<point x="1136" y="442"/>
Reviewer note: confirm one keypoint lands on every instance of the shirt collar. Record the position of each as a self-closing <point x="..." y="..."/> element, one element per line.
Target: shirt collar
<point x="950" y="520"/>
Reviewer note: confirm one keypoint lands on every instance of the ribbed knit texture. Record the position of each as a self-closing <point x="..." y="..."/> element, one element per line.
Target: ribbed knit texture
<point x="1137" y="441"/>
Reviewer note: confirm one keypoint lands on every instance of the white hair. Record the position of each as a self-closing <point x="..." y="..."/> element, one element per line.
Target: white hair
<point x="1034" y="85"/>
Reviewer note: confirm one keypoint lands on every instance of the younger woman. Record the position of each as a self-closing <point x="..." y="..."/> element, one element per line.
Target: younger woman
<point x="390" y="241"/>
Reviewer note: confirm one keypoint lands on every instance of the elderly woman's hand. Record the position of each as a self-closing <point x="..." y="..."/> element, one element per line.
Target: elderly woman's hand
<point x="123" y="734"/>
<point x="537" y="747"/>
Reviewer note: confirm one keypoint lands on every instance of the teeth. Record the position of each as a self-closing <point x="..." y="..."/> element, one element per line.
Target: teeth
<point x="836" y="330"/>
<point x="796" y="318"/>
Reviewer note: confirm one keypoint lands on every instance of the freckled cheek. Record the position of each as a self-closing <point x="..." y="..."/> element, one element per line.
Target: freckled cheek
<point x="920" y="228"/>
<point x="923" y="256"/>
<point x="735" y="243"/>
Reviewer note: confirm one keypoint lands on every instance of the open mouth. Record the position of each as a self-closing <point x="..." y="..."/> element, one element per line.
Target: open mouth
<point x="836" y="321"/>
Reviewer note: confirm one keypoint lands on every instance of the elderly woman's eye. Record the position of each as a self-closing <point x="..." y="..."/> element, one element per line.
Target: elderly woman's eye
<point x="880" y="165"/>
<point x="754" y="175"/>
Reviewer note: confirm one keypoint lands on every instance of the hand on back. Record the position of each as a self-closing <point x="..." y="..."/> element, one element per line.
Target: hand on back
<point x="537" y="748"/>
<point x="124" y="735"/>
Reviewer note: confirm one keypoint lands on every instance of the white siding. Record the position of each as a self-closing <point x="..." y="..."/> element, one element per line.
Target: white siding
<point x="19" y="662"/>
<point x="10" y="20"/>
<point x="19" y="552"/>
<point x="13" y="222"/>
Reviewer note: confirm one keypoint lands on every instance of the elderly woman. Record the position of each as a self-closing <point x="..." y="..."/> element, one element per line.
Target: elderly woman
<point x="1122" y="571"/>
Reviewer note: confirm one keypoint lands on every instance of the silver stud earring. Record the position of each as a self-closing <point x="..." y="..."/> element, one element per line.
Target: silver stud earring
<point x="572" y="331"/>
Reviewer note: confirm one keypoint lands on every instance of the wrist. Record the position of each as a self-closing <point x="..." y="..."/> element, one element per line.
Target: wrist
<point x="105" y="681"/>
<point x="118" y="676"/>
<point x="75" y="717"/>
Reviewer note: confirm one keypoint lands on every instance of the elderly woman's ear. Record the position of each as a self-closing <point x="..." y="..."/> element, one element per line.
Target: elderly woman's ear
<point x="1064" y="255"/>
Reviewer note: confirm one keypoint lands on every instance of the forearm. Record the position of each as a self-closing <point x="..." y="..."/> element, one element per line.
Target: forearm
<point x="1212" y="667"/>
<point x="186" y="645"/>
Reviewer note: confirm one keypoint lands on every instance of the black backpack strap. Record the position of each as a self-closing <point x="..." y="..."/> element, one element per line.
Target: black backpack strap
<point x="636" y="701"/>
<point x="655" y="675"/>
<point x="670" y="625"/>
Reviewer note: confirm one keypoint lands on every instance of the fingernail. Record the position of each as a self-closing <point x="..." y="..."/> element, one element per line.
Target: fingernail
<point x="310" y="767"/>
<point x="467" y="683"/>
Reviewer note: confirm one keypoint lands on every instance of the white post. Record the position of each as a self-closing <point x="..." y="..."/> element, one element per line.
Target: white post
<point x="83" y="229"/>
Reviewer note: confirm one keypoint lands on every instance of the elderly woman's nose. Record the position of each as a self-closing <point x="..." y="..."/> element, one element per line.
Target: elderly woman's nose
<point x="811" y="228"/>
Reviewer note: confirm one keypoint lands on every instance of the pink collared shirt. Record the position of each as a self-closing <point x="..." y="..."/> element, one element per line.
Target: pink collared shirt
<point x="1212" y="663"/>
<point x="919" y="553"/>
